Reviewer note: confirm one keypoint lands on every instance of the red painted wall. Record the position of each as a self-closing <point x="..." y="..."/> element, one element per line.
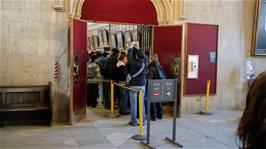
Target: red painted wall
<point x="167" y="43"/>
<point x="80" y="49"/>
<point x="201" y="39"/>
<point x="121" y="11"/>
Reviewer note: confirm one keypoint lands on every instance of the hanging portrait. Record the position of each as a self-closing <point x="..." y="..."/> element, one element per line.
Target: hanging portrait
<point x="259" y="35"/>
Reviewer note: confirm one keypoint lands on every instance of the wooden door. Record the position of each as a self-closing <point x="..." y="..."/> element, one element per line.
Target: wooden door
<point x="78" y="59"/>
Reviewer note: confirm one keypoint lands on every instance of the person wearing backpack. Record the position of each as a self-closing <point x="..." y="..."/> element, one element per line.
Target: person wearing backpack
<point x="155" y="71"/>
<point x="174" y="68"/>
<point x="136" y="79"/>
<point x="93" y="74"/>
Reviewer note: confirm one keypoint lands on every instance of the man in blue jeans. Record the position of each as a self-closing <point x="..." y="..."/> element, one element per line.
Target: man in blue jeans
<point x="137" y="76"/>
<point x="121" y="74"/>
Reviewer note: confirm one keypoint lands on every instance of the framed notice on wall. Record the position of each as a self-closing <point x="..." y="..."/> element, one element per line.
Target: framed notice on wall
<point x="95" y="41"/>
<point x="113" y="41"/>
<point x="127" y="39"/>
<point x="193" y="66"/>
<point x="100" y="37"/>
<point x="91" y="43"/>
<point x="105" y="37"/>
<point x="259" y="36"/>
<point x="120" y="42"/>
<point x="134" y="35"/>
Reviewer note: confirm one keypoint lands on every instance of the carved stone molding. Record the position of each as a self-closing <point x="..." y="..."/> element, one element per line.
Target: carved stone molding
<point x="169" y="11"/>
<point x="59" y="5"/>
<point x="75" y="7"/>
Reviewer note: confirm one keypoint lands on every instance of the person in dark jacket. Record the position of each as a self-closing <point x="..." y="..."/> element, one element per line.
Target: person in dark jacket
<point x="137" y="76"/>
<point x="252" y="126"/>
<point x="109" y="74"/>
<point x="121" y="73"/>
<point x="155" y="71"/>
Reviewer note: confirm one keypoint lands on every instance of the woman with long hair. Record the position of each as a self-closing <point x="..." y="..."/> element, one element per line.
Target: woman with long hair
<point x="252" y="127"/>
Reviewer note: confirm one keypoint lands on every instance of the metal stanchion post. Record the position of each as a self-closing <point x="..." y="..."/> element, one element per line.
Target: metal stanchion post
<point x="112" y="96"/>
<point x="140" y="113"/>
<point x="173" y="140"/>
<point x="112" y="114"/>
<point x="140" y="136"/>
<point x="207" y="112"/>
<point x="147" y="143"/>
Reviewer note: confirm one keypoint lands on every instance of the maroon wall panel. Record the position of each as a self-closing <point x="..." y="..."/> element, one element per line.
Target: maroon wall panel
<point x="80" y="50"/>
<point x="201" y="39"/>
<point x="167" y="43"/>
<point x="122" y="11"/>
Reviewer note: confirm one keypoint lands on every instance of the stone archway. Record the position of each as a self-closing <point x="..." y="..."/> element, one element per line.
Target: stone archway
<point x="75" y="8"/>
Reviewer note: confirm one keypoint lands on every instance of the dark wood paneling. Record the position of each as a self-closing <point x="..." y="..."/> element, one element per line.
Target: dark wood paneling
<point x="25" y="104"/>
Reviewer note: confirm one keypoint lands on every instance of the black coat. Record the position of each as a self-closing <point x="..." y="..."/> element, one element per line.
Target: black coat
<point x="155" y="71"/>
<point x="110" y="66"/>
<point x="121" y="71"/>
<point x="134" y="65"/>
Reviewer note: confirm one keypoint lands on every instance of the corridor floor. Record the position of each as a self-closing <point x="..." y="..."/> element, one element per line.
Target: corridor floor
<point x="99" y="131"/>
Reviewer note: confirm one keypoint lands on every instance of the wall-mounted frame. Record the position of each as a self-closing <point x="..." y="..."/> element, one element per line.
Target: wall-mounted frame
<point x="259" y="32"/>
<point x="134" y="35"/>
<point x="95" y="41"/>
<point x="212" y="56"/>
<point x="91" y="43"/>
<point x="105" y="37"/>
<point x="120" y="42"/>
<point x="100" y="38"/>
<point x="127" y="39"/>
<point x="193" y="67"/>
<point x="112" y="41"/>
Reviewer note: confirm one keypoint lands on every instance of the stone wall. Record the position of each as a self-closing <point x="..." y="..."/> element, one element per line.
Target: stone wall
<point x="235" y="20"/>
<point x="33" y="34"/>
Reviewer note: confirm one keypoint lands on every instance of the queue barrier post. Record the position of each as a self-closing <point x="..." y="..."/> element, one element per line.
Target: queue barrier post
<point x="207" y="112"/>
<point x="112" y="96"/>
<point x="164" y="90"/>
<point x="140" y="136"/>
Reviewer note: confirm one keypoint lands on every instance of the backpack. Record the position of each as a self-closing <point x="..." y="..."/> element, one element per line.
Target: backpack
<point x="160" y="73"/>
<point x="91" y="72"/>
<point x="174" y="67"/>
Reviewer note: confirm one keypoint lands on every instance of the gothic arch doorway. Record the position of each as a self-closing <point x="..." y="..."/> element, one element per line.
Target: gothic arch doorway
<point x="116" y="11"/>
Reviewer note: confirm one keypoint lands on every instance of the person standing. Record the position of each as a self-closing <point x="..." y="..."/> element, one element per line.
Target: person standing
<point x="101" y="60"/>
<point x="121" y="73"/>
<point x="109" y="74"/>
<point x="155" y="71"/>
<point x="93" y="74"/>
<point x="136" y="80"/>
<point x="251" y="130"/>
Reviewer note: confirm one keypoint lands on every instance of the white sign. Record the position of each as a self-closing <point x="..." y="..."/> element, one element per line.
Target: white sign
<point x="193" y="66"/>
